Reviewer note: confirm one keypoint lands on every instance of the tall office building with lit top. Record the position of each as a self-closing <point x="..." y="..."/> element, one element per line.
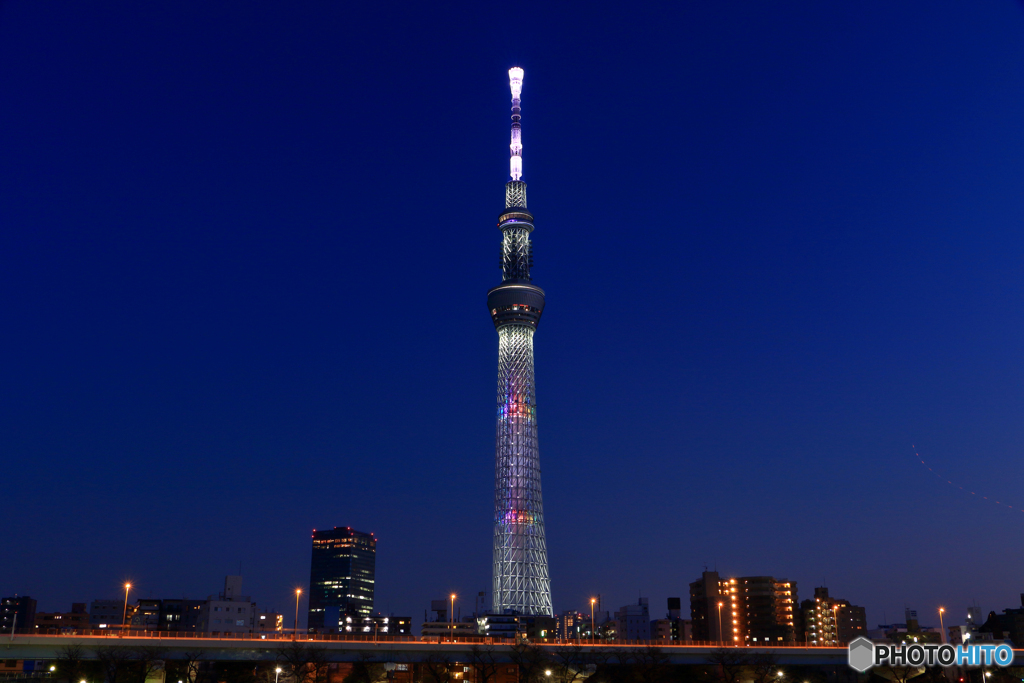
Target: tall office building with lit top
<point x="521" y="582"/>
<point x="341" y="575"/>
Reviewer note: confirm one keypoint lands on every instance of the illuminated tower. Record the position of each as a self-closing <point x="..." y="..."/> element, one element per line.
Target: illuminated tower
<point x="521" y="580"/>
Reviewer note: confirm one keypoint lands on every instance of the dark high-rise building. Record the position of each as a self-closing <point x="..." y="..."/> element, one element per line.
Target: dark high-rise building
<point x="521" y="582"/>
<point x="747" y="610"/>
<point x="707" y="600"/>
<point x="18" y="613"/>
<point x="765" y="609"/>
<point x="341" y="574"/>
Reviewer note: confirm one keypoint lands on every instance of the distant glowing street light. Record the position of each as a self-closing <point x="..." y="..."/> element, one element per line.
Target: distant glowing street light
<point x="593" y="633"/>
<point x="124" y="617"/>
<point x="547" y="672"/>
<point x="835" y="620"/>
<point x="277" y="676"/>
<point x="298" y="592"/>
<point x="721" y="639"/>
<point x="451" y="619"/>
<point x="942" y="626"/>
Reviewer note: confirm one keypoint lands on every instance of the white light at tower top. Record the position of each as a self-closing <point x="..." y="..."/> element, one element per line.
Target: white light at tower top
<point x="515" y="162"/>
<point x="515" y="81"/>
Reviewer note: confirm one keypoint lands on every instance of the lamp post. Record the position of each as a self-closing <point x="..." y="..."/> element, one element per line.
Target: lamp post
<point x="942" y="627"/>
<point x="124" y="616"/>
<point x="277" y="674"/>
<point x="593" y="632"/>
<point x="451" y="619"/>
<point x="835" y="620"/>
<point x="298" y="592"/>
<point x="721" y="639"/>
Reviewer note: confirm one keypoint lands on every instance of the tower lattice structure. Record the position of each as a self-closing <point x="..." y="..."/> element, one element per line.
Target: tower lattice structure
<point x="521" y="581"/>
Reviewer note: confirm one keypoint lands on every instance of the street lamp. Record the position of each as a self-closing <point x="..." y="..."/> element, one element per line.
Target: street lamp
<point x="942" y="626"/>
<point x="835" y="620"/>
<point x="124" y="617"/>
<point x="721" y="639"/>
<point x="451" y="619"/>
<point x="277" y="675"/>
<point x="593" y="633"/>
<point x="298" y="592"/>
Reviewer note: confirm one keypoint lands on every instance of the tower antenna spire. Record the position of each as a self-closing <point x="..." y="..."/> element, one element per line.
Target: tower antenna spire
<point x="515" y="162"/>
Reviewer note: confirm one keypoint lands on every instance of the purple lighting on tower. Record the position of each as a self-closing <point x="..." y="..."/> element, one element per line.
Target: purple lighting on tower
<point x="521" y="582"/>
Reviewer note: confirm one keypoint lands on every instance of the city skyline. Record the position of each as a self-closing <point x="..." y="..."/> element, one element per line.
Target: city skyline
<point x="781" y="250"/>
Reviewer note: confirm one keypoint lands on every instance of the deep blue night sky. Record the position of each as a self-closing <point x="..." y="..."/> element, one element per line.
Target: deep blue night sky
<point x="245" y="247"/>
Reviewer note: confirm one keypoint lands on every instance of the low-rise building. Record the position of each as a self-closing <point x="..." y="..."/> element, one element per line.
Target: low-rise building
<point x="147" y="615"/>
<point x="442" y="624"/>
<point x="572" y="625"/>
<point x="180" y="615"/>
<point x="673" y="627"/>
<point x="17" y="614"/>
<point x="76" y="619"/>
<point x="110" y="614"/>
<point x="229" y="613"/>
<point x="633" y="622"/>
<point x="909" y="632"/>
<point x="1008" y="626"/>
<point x="374" y="625"/>
<point x="269" y="622"/>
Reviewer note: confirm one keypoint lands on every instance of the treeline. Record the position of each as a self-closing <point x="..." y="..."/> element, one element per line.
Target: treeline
<point x="522" y="663"/>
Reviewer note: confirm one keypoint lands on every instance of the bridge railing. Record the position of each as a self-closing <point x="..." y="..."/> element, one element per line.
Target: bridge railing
<point x="174" y="635"/>
<point x="370" y="638"/>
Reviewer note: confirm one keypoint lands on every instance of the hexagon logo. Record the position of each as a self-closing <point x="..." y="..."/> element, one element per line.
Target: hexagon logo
<point x="862" y="654"/>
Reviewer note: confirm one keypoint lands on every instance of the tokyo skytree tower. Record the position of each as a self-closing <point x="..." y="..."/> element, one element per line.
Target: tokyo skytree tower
<point x="521" y="580"/>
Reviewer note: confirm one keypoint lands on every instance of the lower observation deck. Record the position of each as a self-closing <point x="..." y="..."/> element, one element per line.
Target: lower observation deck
<point x="515" y="302"/>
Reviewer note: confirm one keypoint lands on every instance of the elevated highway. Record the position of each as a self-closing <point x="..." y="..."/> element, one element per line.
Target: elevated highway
<point x="270" y="647"/>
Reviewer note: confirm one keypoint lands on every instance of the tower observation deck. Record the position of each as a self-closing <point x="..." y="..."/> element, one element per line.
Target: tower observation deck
<point x="521" y="582"/>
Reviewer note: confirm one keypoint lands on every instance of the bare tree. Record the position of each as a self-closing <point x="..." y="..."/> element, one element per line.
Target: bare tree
<point x="597" y="661"/>
<point x="367" y="670"/>
<point x="531" y="661"/>
<point x="569" y="663"/>
<point x="437" y="668"/>
<point x="897" y="674"/>
<point x="193" y="666"/>
<point x="145" y="661"/>
<point x="485" y="664"/>
<point x="649" y="665"/>
<point x="70" y="663"/>
<point x="115" y="663"/>
<point x="764" y="666"/>
<point x="728" y="664"/>
<point x="305" y="663"/>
